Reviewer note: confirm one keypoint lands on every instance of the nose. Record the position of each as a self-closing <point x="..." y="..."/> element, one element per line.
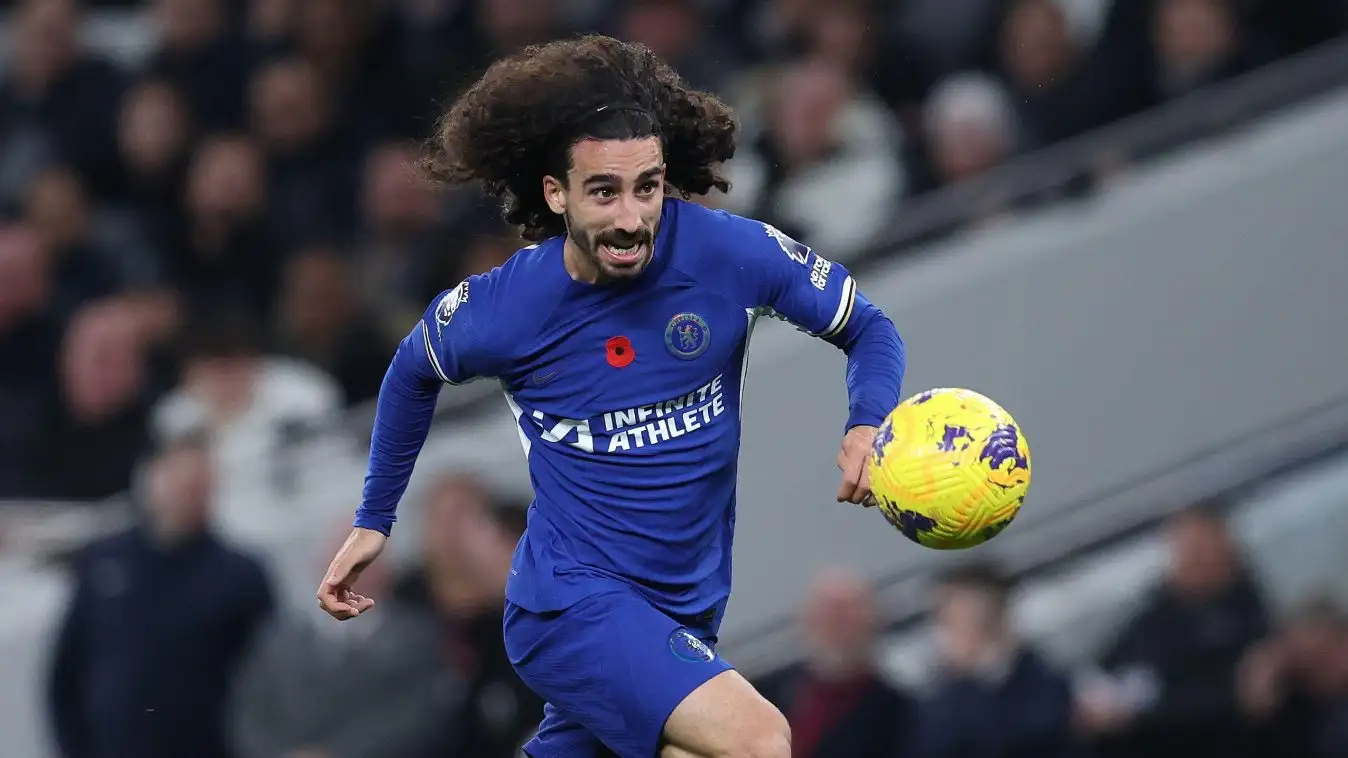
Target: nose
<point x="629" y="217"/>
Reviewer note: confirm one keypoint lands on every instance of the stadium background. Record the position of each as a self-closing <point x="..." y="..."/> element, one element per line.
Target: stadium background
<point x="1122" y="220"/>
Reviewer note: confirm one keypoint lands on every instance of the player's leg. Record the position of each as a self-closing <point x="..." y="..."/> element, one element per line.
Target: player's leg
<point x="726" y="718"/>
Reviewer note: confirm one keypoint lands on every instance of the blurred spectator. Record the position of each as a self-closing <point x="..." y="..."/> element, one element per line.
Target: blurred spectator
<point x="1172" y="686"/>
<point x="155" y="133"/>
<point x="825" y="169"/>
<point x="507" y="26"/>
<point x="257" y="409"/>
<point x="323" y="322"/>
<point x="774" y="30"/>
<point x="160" y="618"/>
<point x="836" y="701"/>
<point x="1294" y="686"/>
<point x="96" y="422"/>
<point x="57" y="102"/>
<point x="229" y="256"/>
<point x="200" y="56"/>
<point x="947" y="35"/>
<point x="970" y="127"/>
<point x="29" y="336"/>
<point x="93" y="253"/>
<point x="350" y="45"/>
<point x="992" y="696"/>
<point x="853" y="35"/>
<point x="311" y="672"/>
<point x="467" y="544"/>
<point x="437" y="47"/>
<point x="1198" y="42"/>
<point x="404" y="256"/>
<point x="675" y="31"/>
<point x="268" y="26"/>
<point x="1041" y="65"/>
<point x="312" y="158"/>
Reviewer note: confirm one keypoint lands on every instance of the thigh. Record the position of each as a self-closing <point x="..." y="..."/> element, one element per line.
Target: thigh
<point x="613" y="665"/>
<point x="727" y="716"/>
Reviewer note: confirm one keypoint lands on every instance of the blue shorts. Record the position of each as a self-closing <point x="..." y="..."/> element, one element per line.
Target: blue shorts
<point x="612" y="668"/>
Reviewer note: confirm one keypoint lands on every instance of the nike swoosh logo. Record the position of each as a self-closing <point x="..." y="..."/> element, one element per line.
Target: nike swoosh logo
<point x="545" y="378"/>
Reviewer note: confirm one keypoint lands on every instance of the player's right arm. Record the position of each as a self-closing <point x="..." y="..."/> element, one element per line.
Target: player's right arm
<point x="447" y="346"/>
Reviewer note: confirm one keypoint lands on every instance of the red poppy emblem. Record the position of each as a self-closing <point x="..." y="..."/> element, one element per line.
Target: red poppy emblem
<point x="620" y="352"/>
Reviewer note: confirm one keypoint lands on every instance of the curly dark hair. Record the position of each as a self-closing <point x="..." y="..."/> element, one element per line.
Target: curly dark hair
<point x="517" y="124"/>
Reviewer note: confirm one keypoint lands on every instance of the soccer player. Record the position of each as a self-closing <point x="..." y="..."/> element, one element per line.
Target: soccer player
<point x="619" y="339"/>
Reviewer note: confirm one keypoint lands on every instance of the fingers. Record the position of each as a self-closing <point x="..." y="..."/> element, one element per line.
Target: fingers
<point x="335" y="595"/>
<point x="856" y="477"/>
<point x="344" y="604"/>
<point x="863" y="493"/>
<point x="338" y="600"/>
<point x="853" y="471"/>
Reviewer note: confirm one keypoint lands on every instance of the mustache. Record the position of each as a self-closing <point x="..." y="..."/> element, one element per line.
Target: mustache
<point x="624" y="239"/>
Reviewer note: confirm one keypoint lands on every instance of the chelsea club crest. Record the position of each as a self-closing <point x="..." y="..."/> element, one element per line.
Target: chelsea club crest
<point x="687" y="336"/>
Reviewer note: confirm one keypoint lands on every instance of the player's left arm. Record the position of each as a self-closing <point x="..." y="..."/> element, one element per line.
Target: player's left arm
<point x="821" y="297"/>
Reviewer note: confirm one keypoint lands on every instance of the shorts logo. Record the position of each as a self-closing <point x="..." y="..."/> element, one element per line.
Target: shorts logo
<point x="687" y="336"/>
<point x="686" y="646"/>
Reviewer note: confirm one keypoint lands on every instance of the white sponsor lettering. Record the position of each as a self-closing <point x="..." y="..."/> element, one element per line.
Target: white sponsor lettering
<point x="819" y="274"/>
<point x="652" y="424"/>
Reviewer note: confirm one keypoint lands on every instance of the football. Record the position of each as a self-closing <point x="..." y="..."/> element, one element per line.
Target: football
<point x="950" y="468"/>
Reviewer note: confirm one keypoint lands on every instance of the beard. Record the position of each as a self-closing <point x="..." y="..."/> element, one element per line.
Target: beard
<point x="593" y="242"/>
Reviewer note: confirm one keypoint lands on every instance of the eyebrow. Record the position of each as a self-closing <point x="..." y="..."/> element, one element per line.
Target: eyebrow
<point x="644" y="176"/>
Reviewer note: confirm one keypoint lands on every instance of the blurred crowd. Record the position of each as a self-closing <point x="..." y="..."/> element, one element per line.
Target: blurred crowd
<point x="1200" y="668"/>
<point x="174" y="643"/>
<point x="209" y="254"/>
<point x="229" y="234"/>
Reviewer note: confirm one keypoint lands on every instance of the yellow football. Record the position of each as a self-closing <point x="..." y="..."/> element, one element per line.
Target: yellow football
<point x="950" y="468"/>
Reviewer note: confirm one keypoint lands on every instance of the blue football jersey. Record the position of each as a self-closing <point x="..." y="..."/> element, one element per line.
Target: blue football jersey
<point x="627" y="396"/>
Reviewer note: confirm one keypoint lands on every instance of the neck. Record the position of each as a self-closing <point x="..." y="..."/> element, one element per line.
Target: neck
<point x="579" y="265"/>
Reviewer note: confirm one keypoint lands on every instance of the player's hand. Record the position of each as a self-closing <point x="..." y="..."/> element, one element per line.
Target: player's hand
<point x="335" y="594"/>
<point x="854" y="462"/>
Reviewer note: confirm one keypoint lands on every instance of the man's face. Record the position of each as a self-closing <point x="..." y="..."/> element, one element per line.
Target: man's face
<point x="180" y="485"/>
<point x="611" y="200"/>
<point x="966" y="627"/>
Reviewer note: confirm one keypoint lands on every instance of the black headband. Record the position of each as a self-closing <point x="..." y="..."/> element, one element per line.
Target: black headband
<point x="579" y="126"/>
<point x="622" y="107"/>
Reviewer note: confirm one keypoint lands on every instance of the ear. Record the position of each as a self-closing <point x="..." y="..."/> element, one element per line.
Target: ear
<point x="555" y="193"/>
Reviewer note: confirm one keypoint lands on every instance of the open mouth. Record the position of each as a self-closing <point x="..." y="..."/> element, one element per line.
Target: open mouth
<point x="624" y="256"/>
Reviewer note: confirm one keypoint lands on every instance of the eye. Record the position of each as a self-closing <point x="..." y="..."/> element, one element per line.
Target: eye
<point x="603" y="193"/>
<point x="648" y="188"/>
